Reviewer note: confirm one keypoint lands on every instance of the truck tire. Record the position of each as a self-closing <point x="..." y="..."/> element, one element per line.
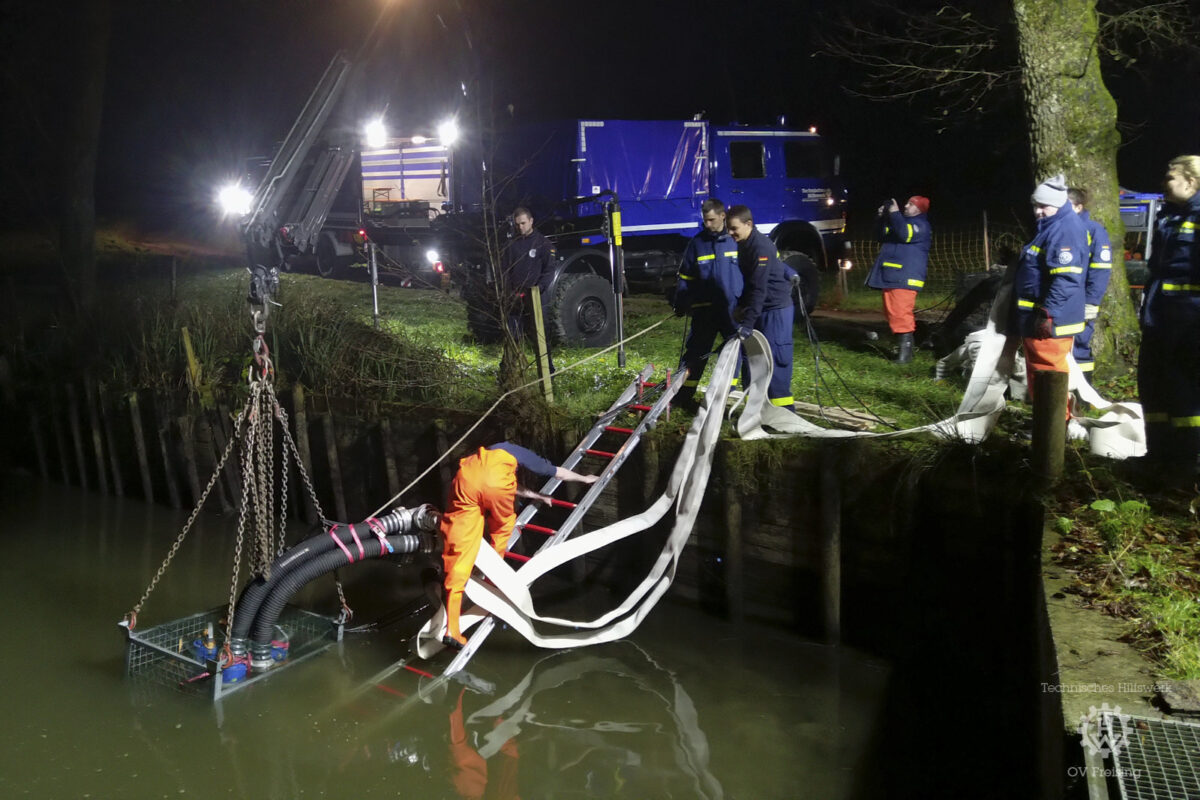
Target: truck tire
<point x="810" y="281"/>
<point x="329" y="263"/>
<point x="583" y="312"/>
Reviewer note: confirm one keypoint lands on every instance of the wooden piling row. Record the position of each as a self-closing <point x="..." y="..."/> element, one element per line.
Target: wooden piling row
<point x="139" y="443"/>
<point x="76" y="435"/>
<point x="97" y="441"/>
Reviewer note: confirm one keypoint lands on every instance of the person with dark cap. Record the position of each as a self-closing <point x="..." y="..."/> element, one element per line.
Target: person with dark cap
<point x="709" y="286"/>
<point x="1169" y="359"/>
<point x="1099" y="270"/>
<point x="484" y="494"/>
<point x="766" y="301"/>
<point x="900" y="268"/>
<point x="1049" y="281"/>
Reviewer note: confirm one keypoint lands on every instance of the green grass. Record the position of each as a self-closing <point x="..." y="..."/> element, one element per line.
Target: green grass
<point x="1134" y="557"/>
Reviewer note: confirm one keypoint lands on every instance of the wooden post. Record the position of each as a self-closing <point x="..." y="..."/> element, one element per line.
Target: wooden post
<point x="335" y="467"/>
<point x="76" y="435"/>
<point x="189" y="455"/>
<point x="389" y="457"/>
<point x="539" y="342"/>
<point x="163" y="423"/>
<point x="89" y="394"/>
<point x="233" y="472"/>
<point x="59" y="441"/>
<point x="204" y="422"/>
<point x="113" y="461"/>
<point x="441" y="443"/>
<point x="1049" y="423"/>
<point x="139" y="443"/>
<point x="39" y="446"/>
<point x="735" y="569"/>
<point x="831" y="544"/>
<point x="300" y="415"/>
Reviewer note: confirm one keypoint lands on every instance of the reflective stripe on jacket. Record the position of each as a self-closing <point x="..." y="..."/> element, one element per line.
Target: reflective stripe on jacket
<point x="709" y="272"/>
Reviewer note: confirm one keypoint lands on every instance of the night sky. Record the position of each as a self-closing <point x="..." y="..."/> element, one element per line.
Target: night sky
<point x="193" y="88"/>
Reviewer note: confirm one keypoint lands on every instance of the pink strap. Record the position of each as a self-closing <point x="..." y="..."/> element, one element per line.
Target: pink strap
<point x="361" y="553"/>
<point x="338" y="542"/>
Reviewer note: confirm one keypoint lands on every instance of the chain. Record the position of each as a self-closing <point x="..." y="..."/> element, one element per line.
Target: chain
<point x="283" y="477"/>
<point x="312" y="495"/>
<point x="187" y="525"/>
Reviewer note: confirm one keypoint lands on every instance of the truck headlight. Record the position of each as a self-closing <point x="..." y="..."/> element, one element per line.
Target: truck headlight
<point x="234" y="199"/>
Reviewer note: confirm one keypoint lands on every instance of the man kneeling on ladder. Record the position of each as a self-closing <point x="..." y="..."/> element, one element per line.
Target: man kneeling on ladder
<point x="485" y="489"/>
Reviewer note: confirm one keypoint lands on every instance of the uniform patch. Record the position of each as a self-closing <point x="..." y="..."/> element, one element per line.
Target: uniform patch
<point x="763" y="258"/>
<point x="1105" y="255"/>
<point x="1064" y="256"/>
<point x="533" y="252"/>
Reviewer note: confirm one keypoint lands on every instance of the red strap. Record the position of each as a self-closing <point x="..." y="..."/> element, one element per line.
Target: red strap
<point x="361" y="553"/>
<point x="338" y="542"/>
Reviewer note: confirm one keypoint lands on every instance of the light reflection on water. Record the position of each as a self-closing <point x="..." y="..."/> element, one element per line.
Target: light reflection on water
<point x="689" y="707"/>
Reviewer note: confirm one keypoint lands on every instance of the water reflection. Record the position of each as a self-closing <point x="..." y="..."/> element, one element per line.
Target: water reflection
<point x="688" y="707"/>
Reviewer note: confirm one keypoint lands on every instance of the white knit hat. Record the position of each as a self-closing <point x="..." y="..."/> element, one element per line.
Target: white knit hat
<point x="1051" y="192"/>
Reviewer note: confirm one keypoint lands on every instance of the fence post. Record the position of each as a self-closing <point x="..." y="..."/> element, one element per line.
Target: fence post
<point x="1049" y="423"/>
<point x="987" y="250"/>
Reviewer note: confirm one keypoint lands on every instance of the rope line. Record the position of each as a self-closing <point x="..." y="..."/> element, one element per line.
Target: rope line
<point x="501" y="398"/>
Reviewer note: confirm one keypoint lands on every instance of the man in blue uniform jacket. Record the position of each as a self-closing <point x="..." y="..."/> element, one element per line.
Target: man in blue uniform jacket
<point x="1049" y="283"/>
<point x="1096" y="276"/>
<point x="709" y="286"/>
<point x="766" y="301"/>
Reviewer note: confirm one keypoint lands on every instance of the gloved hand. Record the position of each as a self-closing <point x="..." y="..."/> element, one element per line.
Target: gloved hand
<point x="1091" y="312"/>
<point x="680" y="311"/>
<point x="1044" y="327"/>
<point x="743" y="333"/>
<point x="796" y="281"/>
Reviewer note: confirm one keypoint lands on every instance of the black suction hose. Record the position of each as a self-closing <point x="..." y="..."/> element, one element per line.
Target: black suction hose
<point x="283" y="588"/>
<point x="399" y="521"/>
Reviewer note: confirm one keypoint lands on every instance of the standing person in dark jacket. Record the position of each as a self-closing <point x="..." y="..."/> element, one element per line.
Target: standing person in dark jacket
<point x="766" y="301"/>
<point x="1169" y="360"/>
<point x="901" y="265"/>
<point x="1096" y="275"/>
<point x="1049" y="283"/>
<point x="709" y="286"/>
<point x="528" y="260"/>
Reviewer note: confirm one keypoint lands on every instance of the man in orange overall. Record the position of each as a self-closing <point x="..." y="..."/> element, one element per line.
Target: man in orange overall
<point x="485" y="490"/>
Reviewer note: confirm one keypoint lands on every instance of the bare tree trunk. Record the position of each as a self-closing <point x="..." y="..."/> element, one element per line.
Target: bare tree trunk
<point x="1073" y="129"/>
<point x="81" y="139"/>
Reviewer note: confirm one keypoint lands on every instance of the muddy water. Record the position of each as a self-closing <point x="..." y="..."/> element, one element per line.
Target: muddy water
<point x="688" y="707"/>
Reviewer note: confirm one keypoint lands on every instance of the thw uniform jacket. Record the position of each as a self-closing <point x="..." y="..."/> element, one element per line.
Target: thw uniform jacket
<point x="1050" y="275"/>
<point x="1099" y="268"/>
<point x="1174" y="263"/>
<point x="709" y="275"/>
<point x="767" y="279"/>
<point x="904" y="257"/>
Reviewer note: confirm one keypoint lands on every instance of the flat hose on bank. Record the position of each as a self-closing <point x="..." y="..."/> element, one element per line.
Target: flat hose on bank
<point x="282" y="588"/>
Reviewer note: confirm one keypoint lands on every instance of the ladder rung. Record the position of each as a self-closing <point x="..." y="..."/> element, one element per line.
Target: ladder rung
<point x="529" y="526"/>
<point x="554" y="501"/>
<point x="517" y="556"/>
<point x="615" y="429"/>
<point x="639" y="407"/>
<point x="647" y="383"/>
<point x="602" y="453"/>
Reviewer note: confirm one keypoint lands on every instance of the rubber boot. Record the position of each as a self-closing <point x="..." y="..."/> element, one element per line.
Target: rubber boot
<point x="906" y="349"/>
<point x="453" y="637"/>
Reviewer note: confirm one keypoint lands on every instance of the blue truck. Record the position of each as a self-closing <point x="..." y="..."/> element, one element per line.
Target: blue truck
<point x="660" y="172"/>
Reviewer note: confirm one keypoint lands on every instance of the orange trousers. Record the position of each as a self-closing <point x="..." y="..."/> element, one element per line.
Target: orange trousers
<point x="483" y="493"/>
<point x="899" y="305"/>
<point x="1047" y="355"/>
